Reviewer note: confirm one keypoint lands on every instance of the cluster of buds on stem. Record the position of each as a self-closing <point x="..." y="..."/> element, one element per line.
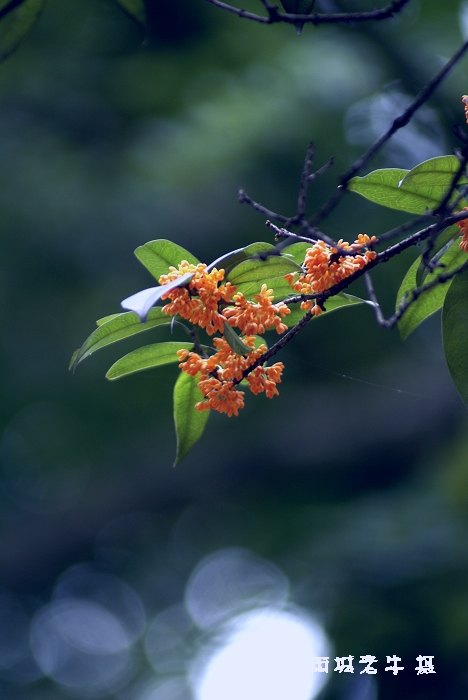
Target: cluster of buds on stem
<point x="210" y="305"/>
<point x="325" y="267"/>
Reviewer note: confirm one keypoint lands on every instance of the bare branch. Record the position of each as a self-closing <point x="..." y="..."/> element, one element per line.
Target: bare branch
<point x="284" y="233"/>
<point x="301" y="200"/>
<point x="322" y="170"/>
<point x="245" y="199"/>
<point x="415" y="293"/>
<point x="373" y="297"/>
<point x="442" y="211"/>
<point x="402" y="120"/>
<point x="274" y="16"/>
<point x="240" y="13"/>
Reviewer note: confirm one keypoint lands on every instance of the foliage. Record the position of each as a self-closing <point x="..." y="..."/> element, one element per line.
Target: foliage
<point x="269" y="286"/>
<point x="257" y="274"/>
<point x="16" y="19"/>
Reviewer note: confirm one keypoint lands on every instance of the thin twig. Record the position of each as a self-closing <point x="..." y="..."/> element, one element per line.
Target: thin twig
<point x="278" y="345"/>
<point x="322" y="170"/>
<point x="274" y="16"/>
<point x="245" y="199"/>
<point x="305" y="178"/>
<point x="9" y="7"/>
<point x="409" y="300"/>
<point x="373" y="297"/>
<point x="240" y="13"/>
<point x="443" y="209"/>
<point x="403" y="228"/>
<point x="402" y="120"/>
<point x="284" y="233"/>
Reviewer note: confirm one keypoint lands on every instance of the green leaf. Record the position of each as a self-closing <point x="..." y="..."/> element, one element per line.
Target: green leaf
<point x="259" y="340"/>
<point x="250" y="275"/>
<point x="104" y="319"/>
<point x="189" y="422"/>
<point x="441" y="245"/>
<point x="433" y="178"/>
<point x="338" y="301"/>
<point x="455" y="333"/>
<point x="158" y="256"/>
<point x="141" y="302"/>
<point x="391" y="188"/>
<point x="122" y="326"/>
<point x="73" y="360"/>
<point x="435" y="171"/>
<point x="229" y="260"/>
<point x="16" y="19"/>
<point x="134" y="9"/>
<point x="234" y="342"/>
<point x="146" y="357"/>
<point x="430" y="301"/>
<point x="297" y="251"/>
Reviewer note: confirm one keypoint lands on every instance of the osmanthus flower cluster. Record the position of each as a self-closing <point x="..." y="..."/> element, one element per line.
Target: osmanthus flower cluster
<point x="199" y="301"/>
<point x="325" y="267"/>
<point x="232" y="300"/>
<point x="206" y="303"/>
<point x="218" y="373"/>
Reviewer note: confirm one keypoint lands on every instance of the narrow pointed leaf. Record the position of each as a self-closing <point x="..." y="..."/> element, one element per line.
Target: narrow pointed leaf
<point x="229" y="260"/>
<point x="146" y="357"/>
<point x="234" y="342"/>
<point x="442" y="244"/>
<point x="122" y="326"/>
<point x="16" y="19"/>
<point x="390" y="188"/>
<point x="134" y="9"/>
<point x="250" y="275"/>
<point x="73" y="359"/>
<point x="455" y="333"/>
<point x="158" y="256"/>
<point x="141" y="302"/>
<point x="430" y="301"/>
<point x="189" y="423"/>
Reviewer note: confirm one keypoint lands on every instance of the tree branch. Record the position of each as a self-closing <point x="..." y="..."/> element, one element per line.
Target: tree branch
<point x="402" y="120"/>
<point x="274" y="16"/>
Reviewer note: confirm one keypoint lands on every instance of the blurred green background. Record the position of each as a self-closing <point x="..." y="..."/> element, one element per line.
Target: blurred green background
<point x="339" y="510"/>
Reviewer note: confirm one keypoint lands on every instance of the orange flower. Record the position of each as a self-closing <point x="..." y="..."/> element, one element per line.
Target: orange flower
<point x="221" y="372"/>
<point x="199" y="302"/>
<point x="254" y="318"/>
<point x="225" y="365"/>
<point x="324" y="271"/>
<point x="218" y="373"/>
<point x="463" y="226"/>
<point x="265" y="379"/>
<point x="220" y="396"/>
